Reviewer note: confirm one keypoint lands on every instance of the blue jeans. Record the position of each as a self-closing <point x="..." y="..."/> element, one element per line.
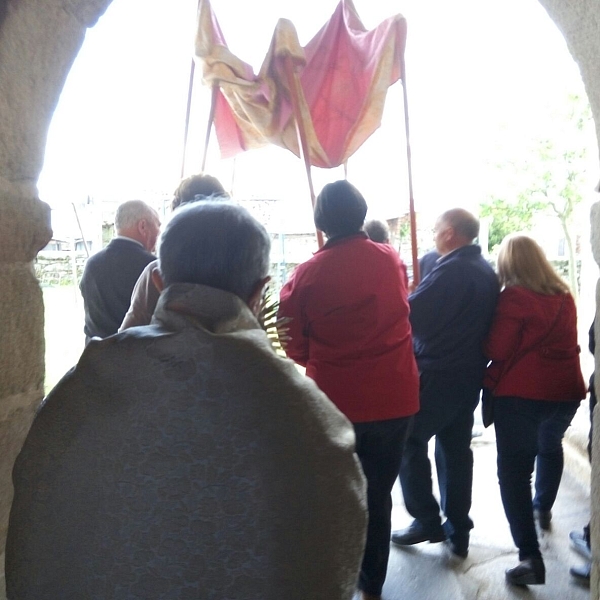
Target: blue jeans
<point x="526" y="431"/>
<point x="379" y="447"/>
<point x="448" y="400"/>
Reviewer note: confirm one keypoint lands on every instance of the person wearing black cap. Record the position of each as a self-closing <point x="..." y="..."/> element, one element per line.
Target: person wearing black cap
<point x="349" y="327"/>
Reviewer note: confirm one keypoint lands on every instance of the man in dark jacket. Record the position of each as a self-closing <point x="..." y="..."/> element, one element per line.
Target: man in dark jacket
<point x="111" y="274"/>
<point x="451" y="312"/>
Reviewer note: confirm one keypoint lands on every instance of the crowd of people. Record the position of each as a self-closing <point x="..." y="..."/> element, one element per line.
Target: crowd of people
<point x="184" y="458"/>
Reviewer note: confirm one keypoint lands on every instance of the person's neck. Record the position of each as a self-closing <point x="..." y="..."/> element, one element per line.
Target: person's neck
<point x="456" y="246"/>
<point x="132" y="235"/>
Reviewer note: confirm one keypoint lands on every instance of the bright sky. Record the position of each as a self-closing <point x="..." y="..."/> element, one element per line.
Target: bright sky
<point x="484" y="77"/>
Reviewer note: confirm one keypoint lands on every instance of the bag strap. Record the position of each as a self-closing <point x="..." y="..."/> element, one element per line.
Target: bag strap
<point x="517" y="357"/>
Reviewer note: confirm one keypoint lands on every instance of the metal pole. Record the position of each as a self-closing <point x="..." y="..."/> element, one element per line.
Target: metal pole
<point x="413" y="218"/>
<point x="294" y="87"/>
<point x="87" y="252"/>
<point x="211" y="118"/>
<point x="187" y="115"/>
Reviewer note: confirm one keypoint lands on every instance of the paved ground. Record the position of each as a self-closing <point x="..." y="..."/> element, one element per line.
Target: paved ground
<point x="430" y="572"/>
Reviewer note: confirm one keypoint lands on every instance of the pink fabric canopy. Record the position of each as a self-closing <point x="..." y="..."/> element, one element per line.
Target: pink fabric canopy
<point x="344" y="73"/>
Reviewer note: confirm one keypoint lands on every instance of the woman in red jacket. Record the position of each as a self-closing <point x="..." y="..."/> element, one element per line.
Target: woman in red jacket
<point x="349" y="327"/>
<point x="537" y="385"/>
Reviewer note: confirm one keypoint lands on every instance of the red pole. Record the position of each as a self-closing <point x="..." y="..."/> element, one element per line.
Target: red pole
<point x="211" y="118"/>
<point x="413" y="218"/>
<point x="294" y="87"/>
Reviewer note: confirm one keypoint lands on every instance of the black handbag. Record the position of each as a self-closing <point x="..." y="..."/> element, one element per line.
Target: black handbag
<point x="487" y="407"/>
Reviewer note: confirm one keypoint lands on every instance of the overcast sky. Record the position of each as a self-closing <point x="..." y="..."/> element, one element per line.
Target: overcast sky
<point x="484" y="77"/>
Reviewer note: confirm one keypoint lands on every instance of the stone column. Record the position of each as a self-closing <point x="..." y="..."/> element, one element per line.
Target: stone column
<point x="24" y="229"/>
<point x="595" y="491"/>
<point x="38" y="43"/>
<point x="578" y="21"/>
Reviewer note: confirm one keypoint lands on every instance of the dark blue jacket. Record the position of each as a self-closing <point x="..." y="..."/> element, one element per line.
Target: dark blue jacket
<point x="427" y="263"/>
<point x="452" y="310"/>
<point x="107" y="282"/>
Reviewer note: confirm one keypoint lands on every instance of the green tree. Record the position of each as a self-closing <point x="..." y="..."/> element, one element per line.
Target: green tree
<point x="557" y="186"/>
<point x="508" y="216"/>
<point x="549" y="179"/>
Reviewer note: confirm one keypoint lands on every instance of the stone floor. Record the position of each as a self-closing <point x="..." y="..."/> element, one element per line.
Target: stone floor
<point x="429" y="571"/>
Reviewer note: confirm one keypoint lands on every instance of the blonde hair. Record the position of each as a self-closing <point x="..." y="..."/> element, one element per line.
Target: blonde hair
<point x="522" y="262"/>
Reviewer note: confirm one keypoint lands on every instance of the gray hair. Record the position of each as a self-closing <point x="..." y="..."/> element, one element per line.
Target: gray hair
<point x="218" y="244"/>
<point x="463" y="222"/>
<point x="378" y="231"/>
<point x="130" y="213"/>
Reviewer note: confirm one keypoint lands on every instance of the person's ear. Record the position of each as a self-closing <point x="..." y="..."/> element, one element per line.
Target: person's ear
<point x="157" y="279"/>
<point x="255" y="299"/>
<point x="449" y="234"/>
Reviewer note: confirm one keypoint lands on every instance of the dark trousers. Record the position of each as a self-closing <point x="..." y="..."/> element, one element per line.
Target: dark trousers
<point x="549" y="461"/>
<point x="379" y="447"/>
<point x="448" y="400"/>
<point x="523" y="428"/>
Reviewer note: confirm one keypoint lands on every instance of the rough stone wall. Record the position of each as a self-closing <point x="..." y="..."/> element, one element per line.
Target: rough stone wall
<point x="595" y="492"/>
<point x="579" y="21"/>
<point x="38" y="43"/>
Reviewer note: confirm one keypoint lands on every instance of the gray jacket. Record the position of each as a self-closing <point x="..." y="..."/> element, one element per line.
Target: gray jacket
<point x="185" y="459"/>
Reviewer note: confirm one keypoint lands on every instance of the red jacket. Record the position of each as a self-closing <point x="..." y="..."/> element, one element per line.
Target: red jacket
<point x="350" y="328"/>
<point x="527" y="360"/>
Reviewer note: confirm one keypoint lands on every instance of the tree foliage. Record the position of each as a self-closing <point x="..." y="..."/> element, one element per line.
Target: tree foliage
<point x="550" y="179"/>
<point x="508" y="216"/>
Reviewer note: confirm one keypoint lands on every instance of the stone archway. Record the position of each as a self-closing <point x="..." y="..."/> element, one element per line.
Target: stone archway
<point x="38" y="44"/>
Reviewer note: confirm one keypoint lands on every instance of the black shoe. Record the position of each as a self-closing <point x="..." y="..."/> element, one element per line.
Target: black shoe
<point x="582" y="574"/>
<point x="459" y="545"/>
<point x="543" y="517"/>
<point x="530" y="571"/>
<point x="458" y="542"/>
<point x="416" y="533"/>
<point x="580" y="544"/>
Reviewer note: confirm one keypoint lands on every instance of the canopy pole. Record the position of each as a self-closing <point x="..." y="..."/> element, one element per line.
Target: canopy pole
<point x="187" y="116"/>
<point x="302" y="142"/>
<point x="413" y="218"/>
<point x="211" y="118"/>
<point x="85" y="246"/>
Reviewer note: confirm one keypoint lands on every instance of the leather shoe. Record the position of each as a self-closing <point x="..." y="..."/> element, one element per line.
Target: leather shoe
<point x="458" y="542"/>
<point x="416" y="533"/>
<point x="543" y="517"/>
<point x="459" y="545"/>
<point x="580" y="544"/>
<point x="367" y="596"/>
<point x="530" y="571"/>
<point x="582" y="574"/>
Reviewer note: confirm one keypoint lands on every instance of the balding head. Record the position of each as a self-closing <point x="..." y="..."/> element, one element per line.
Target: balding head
<point x="454" y="229"/>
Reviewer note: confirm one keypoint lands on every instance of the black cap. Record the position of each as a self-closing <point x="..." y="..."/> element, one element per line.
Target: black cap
<point x="340" y="209"/>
